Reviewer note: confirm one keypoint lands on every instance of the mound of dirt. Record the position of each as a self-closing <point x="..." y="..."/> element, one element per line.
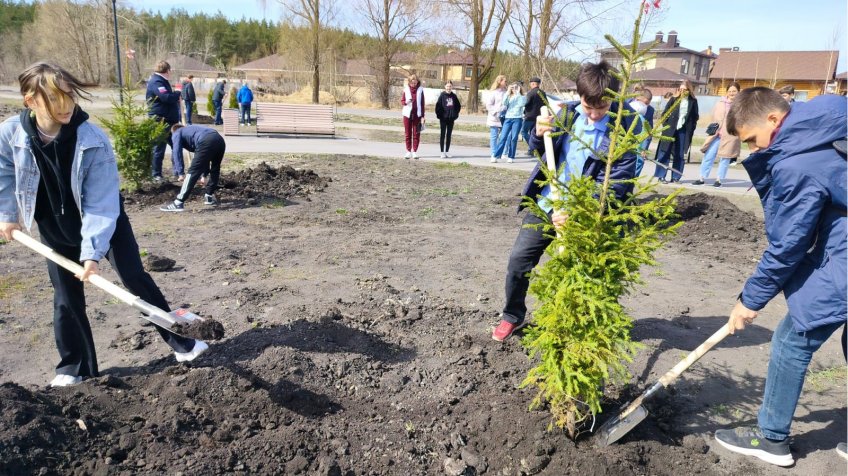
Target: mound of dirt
<point x="366" y="386"/>
<point x="250" y="186"/>
<point x="714" y="227"/>
<point x="7" y="111"/>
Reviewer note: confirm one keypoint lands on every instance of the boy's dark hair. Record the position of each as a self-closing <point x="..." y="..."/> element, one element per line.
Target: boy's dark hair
<point x="752" y="106"/>
<point x="593" y="81"/>
<point x="788" y="89"/>
<point x="736" y="85"/>
<point x="176" y="127"/>
<point x="190" y="77"/>
<point x="162" y="67"/>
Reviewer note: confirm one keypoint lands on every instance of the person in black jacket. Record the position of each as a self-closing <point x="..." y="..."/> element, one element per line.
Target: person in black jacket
<point x="164" y="105"/>
<point x="447" y="110"/>
<point x="590" y="119"/>
<point x="535" y="98"/>
<point x="681" y="127"/>
<point x="218" y="100"/>
<point x="189" y="98"/>
<point x="208" y="147"/>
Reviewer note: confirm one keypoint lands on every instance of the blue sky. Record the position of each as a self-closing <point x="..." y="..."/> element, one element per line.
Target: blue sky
<point x="749" y="24"/>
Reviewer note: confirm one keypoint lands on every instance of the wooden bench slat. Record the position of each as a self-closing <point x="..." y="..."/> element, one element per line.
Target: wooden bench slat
<point x="295" y="118"/>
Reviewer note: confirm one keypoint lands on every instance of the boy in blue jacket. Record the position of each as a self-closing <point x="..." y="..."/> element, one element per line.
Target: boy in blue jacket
<point x="245" y="99"/>
<point x="208" y="147"/>
<point x="590" y="120"/>
<point x="800" y="176"/>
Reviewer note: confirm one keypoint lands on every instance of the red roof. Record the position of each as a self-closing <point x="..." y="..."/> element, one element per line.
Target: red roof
<point x="782" y="66"/>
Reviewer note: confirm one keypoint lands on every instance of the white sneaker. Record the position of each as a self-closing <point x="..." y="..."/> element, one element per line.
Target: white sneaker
<point x="65" y="380"/>
<point x="415" y="155"/>
<point x="447" y="154"/>
<point x="407" y="155"/>
<point x="510" y="160"/>
<point x="443" y="155"/>
<point x="199" y="348"/>
<point x="493" y="159"/>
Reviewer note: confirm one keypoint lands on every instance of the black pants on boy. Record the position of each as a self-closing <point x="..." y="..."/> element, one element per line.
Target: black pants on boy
<point x="528" y="249"/>
<point x="445" y="131"/>
<point x="70" y="323"/>
<point x="159" y="149"/>
<point x="207" y="158"/>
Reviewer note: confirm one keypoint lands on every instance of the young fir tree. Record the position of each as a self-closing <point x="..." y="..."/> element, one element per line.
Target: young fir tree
<point x="580" y="333"/>
<point x="134" y="134"/>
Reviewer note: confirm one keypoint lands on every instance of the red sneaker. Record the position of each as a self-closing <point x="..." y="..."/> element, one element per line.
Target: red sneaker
<point x="506" y="329"/>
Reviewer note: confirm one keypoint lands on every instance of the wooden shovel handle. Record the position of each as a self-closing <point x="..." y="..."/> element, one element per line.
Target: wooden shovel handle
<point x="74" y="267"/>
<point x="549" y="152"/>
<point x="693" y="356"/>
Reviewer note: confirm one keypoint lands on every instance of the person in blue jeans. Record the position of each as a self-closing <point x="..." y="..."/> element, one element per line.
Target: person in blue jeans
<point x="590" y="120"/>
<point x="245" y="99"/>
<point x="514" y="102"/>
<point x="723" y="145"/>
<point x="799" y="170"/>
<point x="681" y="124"/>
<point x="494" y="107"/>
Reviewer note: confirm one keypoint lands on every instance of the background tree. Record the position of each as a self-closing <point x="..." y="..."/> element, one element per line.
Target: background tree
<point x="316" y="14"/>
<point x="393" y="22"/>
<point x="485" y="19"/>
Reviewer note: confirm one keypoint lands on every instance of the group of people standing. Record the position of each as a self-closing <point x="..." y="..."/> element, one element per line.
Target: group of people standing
<point x="413" y="108"/>
<point x="510" y="113"/>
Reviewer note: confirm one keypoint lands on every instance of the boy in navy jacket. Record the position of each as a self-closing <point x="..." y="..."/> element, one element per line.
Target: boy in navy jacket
<point x="164" y="105"/>
<point x="208" y="147"/>
<point x="591" y="121"/>
<point x="800" y="177"/>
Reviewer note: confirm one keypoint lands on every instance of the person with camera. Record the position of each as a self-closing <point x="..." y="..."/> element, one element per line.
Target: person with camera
<point x="720" y="143"/>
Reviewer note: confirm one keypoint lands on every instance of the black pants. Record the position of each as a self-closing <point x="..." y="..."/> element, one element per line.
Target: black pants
<point x="207" y="158"/>
<point x="159" y="150"/>
<point x="446" y="129"/>
<point x="528" y="249"/>
<point x="70" y="323"/>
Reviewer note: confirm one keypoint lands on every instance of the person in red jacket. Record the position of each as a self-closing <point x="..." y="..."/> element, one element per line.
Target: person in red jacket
<point x="412" y="100"/>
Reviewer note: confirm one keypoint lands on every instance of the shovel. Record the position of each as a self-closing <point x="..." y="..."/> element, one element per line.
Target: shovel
<point x="176" y="321"/>
<point x="621" y="424"/>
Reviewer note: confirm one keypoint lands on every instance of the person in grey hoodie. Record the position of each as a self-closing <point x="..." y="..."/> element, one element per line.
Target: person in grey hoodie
<point x="59" y="171"/>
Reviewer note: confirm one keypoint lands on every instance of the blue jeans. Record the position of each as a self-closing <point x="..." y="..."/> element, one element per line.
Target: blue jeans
<point x="188" y="106"/>
<point x="672" y="151"/>
<point x="791" y="353"/>
<point x="709" y="159"/>
<point x="525" y="130"/>
<point x="218" y="104"/>
<point x="493" y="138"/>
<point x="508" y="139"/>
<point x="244" y="114"/>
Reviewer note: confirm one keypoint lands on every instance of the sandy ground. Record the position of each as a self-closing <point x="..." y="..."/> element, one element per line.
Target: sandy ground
<point x="358" y="324"/>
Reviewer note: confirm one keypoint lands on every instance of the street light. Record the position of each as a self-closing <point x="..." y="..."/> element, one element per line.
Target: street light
<point x="117" y="50"/>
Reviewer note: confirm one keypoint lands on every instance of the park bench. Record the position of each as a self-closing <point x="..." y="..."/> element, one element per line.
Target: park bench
<point x="275" y="118"/>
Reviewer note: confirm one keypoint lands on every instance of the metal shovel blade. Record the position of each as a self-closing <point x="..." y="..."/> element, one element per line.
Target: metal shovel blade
<point x="616" y="427"/>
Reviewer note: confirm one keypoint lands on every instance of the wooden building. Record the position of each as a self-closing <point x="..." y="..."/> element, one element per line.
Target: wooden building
<point x="810" y="72"/>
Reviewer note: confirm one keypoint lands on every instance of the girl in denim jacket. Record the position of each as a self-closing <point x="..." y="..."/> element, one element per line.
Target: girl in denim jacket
<point x="59" y="170"/>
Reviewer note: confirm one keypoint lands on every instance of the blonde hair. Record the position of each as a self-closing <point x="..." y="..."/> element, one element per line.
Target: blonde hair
<point x="43" y="80"/>
<point x="497" y="82"/>
<point x="411" y="77"/>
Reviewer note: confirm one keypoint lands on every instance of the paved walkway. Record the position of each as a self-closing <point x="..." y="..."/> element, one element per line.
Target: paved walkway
<point x="736" y="183"/>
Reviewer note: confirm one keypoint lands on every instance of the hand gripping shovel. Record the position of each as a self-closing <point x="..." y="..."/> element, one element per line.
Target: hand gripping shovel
<point x="176" y="321"/>
<point x="625" y="421"/>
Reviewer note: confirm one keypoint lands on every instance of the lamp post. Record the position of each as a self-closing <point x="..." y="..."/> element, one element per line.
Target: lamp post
<point x="117" y="51"/>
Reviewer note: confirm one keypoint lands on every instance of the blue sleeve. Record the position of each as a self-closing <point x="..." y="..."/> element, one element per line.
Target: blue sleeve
<point x="177" y="143"/>
<point x="795" y="207"/>
<point x="8" y="203"/>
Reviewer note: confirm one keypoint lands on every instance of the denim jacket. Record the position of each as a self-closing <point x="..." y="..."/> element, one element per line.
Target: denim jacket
<point x="94" y="183"/>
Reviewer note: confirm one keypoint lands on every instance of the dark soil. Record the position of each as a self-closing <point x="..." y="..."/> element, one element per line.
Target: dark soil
<point x="260" y="184"/>
<point x="711" y="223"/>
<point x="158" y="264"/>
<point x="206" y="329"/>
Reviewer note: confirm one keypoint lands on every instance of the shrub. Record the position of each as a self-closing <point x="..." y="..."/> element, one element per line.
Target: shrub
<point x="210" y="107"/>
<point x="233" y="103"/>
<point x="580" y="332"/>
<point x="134" y="134"/>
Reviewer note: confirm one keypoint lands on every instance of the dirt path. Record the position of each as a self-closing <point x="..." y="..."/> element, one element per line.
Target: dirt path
<point x="358" y="321"/>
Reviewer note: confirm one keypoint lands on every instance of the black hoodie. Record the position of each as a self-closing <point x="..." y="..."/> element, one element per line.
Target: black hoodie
<point x="56" y="212"/>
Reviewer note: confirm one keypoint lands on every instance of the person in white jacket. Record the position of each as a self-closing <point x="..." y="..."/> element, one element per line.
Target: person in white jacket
<point x="412" y="100"/>
<point x="494" y="105"/>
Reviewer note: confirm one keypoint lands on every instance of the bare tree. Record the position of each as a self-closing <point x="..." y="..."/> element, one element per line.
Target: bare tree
<point x="315" y="14"/>
<point x="485" y="19"/>
<point x="393" y="21"/>
<point x="182" y="38"/>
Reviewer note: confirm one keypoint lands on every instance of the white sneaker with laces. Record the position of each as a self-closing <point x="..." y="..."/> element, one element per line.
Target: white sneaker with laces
<point x="65" y="380"/>
<point x="510" y="160"/>
<point x="199" y="348"/>
<point x="415" y="155"/>
<point x="444" y="156"/>
<point x="493" y="160"/>
<point x="407" y="155"/>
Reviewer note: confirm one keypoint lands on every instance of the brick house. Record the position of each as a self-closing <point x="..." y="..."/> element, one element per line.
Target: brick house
<point x="810" y="72"/>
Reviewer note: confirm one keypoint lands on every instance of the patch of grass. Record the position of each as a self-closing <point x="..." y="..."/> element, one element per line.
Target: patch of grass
<point x="3" y="242"/>
<point x="276" y="203"/>
<point x="450" y="165"/>
<point x="443" y="192"/>
<point x="236" y="271"/>
<point x="428" y="212"/>
<point x="10" y="286"/>
<point x="824" y="379"/>
<point x="720" y="409"/>
<point x="143" y="253"/>
<point x="341" y="211"/>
